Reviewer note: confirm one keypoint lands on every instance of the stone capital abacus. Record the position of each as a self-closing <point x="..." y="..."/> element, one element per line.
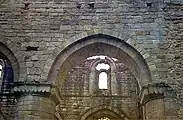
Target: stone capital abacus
<point x="151" y="92"/>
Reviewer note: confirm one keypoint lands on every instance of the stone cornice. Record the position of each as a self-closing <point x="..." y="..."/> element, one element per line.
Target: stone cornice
<point x="151" y="92"/>
<point x="32" y="88"/>
<point x="38" y="89"/>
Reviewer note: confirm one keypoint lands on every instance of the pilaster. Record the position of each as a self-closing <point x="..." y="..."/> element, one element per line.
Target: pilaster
<point x="34" y="101"/>
<point x="152" y="101"/>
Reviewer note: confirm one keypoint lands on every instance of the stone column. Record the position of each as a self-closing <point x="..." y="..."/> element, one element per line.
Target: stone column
<point x="152" y="101"/>
<point x="34" y="102"/>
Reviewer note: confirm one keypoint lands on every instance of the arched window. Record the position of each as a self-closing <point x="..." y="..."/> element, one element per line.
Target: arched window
<point x="1" y="70"/>
<point x="102" y="76"/>
<point x="103" y="80"/>
<point x="6" y="75"/>
<point x="1" y="73"/>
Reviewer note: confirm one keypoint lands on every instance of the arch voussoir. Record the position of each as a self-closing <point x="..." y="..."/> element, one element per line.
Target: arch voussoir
<point x="124" y="37"/>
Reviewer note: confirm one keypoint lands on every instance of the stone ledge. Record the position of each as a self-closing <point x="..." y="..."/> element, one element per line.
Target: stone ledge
<point x="32" y="88"/>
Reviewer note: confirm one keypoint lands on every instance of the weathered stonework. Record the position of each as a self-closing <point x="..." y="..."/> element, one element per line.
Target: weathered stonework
<point x="47" y="43"/>
<point x="78" y="98"/>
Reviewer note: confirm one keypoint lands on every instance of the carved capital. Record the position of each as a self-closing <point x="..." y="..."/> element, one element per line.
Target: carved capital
<point x="151" y="92"/>
<point x="39" y="89"/>
<point x="32" y="88"/>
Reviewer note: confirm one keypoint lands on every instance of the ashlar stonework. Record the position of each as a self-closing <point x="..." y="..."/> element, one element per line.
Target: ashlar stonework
<point x="50" y="50"/>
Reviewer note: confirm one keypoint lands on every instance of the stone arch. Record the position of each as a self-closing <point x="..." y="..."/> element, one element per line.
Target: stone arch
<point x="49" y="72"/>
<point x="10" y="50"/>
<point x="107" y="60"/>
<point x="96" y="109"/>
<point x="6" y="53"/>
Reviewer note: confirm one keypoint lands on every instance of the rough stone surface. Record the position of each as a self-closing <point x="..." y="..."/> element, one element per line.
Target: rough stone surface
<point x="77" y="97"/>
<point x="34" y="33"/>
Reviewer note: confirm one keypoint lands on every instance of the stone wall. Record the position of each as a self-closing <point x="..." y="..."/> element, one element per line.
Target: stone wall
<point x="35" y="107"/>
<point x="34" y="29"/>
<point x="77" y="98"/>
<point x="174" y="36"/>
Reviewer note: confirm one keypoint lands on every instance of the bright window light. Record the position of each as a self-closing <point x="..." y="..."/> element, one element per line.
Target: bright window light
<point x="1" y="68"/>
<point x="115" y="59"/>
<point x="102" y="66"/>
<point x="103" y="80"/>
<point x="101" y="57"/>
<point x="95" y="57"/>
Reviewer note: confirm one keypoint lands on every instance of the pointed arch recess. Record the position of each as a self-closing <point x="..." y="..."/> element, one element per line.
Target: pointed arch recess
<point x="96" y="109"/>
<point x="137" y="53"/>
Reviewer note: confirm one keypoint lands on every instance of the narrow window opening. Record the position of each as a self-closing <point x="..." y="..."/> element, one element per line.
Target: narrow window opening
<point x="102" y="80"/>
<point x="1" y="69"/>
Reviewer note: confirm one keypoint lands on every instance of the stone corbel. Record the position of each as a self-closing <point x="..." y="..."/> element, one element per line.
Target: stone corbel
<point x="151" y="92"/>
<point x="40" y="89"/>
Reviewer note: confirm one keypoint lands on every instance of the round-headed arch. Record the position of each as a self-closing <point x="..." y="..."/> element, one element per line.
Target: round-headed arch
<point x="9" y="51"/>
<point x="103" y="42"/>
<point x="107" y="60"/>
<point x="7" y="54"/>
